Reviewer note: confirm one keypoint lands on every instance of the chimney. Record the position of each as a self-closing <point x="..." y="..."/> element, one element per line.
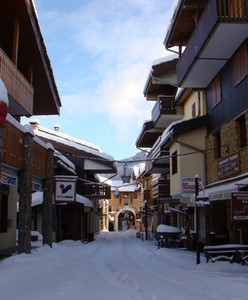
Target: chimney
<point x="35" y="124"/>
<point x="56" y="127"/>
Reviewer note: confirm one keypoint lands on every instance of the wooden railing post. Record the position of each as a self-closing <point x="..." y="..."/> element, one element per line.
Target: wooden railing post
<point x="47" y="214"/>
<point x="25" y="184"/>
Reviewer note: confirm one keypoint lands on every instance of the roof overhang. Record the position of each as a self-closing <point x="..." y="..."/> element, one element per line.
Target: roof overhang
<point x="31" y="49"/>
<point x="182" y="127"/>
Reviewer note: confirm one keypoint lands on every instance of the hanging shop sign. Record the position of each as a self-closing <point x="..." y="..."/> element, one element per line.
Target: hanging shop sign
<point x="65" y="189"/>
<point x="239" y="206"/>
<point x="188" y="185"/>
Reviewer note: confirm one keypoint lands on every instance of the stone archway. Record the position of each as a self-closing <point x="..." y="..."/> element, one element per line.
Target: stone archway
<point x="122" y="211"/>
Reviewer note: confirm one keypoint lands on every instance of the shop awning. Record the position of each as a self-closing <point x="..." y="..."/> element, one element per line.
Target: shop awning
<point x="37" y="199"/>
<point x="224" y="191"/>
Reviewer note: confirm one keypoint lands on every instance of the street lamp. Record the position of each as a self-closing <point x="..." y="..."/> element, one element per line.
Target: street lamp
<point x="197" y="248"/>
<point x="126" y="176"/>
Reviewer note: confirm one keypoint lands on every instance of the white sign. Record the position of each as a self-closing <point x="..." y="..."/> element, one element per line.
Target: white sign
<point x="65" y="190"/>
<point x="8" y="179"/>
<point x="188" y="185"/>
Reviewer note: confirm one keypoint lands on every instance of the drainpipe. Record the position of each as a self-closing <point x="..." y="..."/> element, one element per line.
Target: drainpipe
<point x="199" y="102"/>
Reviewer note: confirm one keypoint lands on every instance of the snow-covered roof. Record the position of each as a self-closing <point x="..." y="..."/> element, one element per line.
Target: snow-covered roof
<point x="64" y="162"/>
<point x="27" y="128"/>
<point x="164" y="59"/>
<point x="81" y="199"/>
<point x="122" y="187"/>
<point x="168" y="229"/>
<point x="169" y="130"/>
<point x="72" y="142"/>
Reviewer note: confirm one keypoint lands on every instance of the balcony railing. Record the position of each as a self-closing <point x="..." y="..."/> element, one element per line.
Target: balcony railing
<point x="39" y="160"/>
<point x="13" y="151"/>
<point x="161" y="188"/>
<point x="13" y="146"/>
<point x="163" y="106"/>
<point x="16" y="84"/>
<point x="216" y="11"/>
<point x="97" y="191"/>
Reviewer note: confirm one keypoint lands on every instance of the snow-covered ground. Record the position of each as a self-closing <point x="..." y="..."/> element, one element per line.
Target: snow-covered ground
<point x="118" y="266"/>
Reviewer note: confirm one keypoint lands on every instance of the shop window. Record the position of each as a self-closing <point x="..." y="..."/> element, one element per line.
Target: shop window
<point x="242" y="131"/>
<point x="217" y="146"/>
<point x="3" y="213"/>
<point x="174" y="162"/>
<point x="240" y="64"/>
<point x="215" y="91"/>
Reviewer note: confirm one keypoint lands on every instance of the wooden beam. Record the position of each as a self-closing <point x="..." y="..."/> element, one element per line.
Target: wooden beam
<point x="16" y="33"/>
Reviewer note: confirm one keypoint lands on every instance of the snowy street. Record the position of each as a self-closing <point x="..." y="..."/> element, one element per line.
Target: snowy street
<point x="118" y="266"/>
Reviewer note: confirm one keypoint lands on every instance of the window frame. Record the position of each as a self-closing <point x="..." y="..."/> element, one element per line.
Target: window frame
<point x="174" y="163"/>
<point x="240" y="64"/>
<point x="215" y="92"/>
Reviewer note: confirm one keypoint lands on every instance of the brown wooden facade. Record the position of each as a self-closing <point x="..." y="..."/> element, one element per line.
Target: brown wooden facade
<point x="25" y="165"/>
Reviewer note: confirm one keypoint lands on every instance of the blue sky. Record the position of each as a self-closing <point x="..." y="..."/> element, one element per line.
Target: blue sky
<point x="101" y="53"/>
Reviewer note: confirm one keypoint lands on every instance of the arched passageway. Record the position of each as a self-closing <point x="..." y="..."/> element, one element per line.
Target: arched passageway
<point x="125" y="218"/>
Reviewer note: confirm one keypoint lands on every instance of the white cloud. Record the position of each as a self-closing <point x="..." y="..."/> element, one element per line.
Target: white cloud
<point x="103" y="54"/>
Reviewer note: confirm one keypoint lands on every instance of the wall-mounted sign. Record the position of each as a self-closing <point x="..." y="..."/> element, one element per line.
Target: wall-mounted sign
<point x="8" y="179"/>
<point x="36" y="186"/>
<point x="188" y="185"/>
<point x="229" y="165"/>
<point x="65" y="189"/>
<point x="239" y="206"/>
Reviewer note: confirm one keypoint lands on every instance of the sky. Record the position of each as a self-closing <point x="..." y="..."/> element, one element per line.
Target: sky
<point x="117" y="265"/>
<point x="101" y="53"/>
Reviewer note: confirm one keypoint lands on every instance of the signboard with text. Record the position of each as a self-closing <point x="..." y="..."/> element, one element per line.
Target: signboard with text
<point x="188" y="185"/>
<point x="229" y="165"/>
<point x="239" y="206"/>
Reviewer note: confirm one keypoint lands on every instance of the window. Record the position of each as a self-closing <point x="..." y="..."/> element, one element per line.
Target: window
<point x="193" y="111"/>
<point x="215" y="91"/>
<point x="3" y="213"/>
<point x="217" y="146"/>
<point x="237" y="8"/>
<point x="174" y="162"/>
<point x="242" y="131"/>
<point x="240" y="64"/>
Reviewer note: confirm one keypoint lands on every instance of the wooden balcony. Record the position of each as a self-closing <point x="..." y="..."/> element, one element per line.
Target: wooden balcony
<point x="158" y="162"/>
<point x="97" y="191"/>
<point x="221" y="29"/>
<point x="164" y="112"/>
<point x="13" y="154"/>
<point x="39" y="164"/>
<point x="13" y="146"/>
<point x="161" y="189"/>
<point x="19" y="89"/>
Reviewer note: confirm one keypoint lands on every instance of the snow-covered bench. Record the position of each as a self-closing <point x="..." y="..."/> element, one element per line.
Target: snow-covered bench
<point x="168" y="235"/>
<point x="231" y="252"/>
